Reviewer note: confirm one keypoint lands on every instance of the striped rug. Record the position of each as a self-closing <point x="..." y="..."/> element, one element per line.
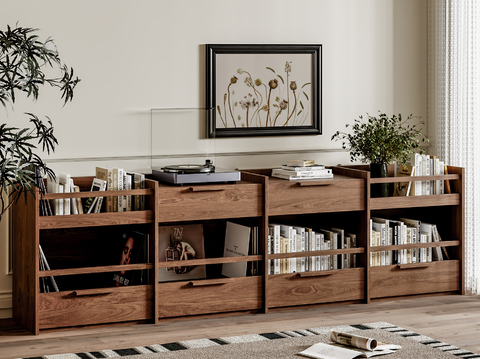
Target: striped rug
<point x="146" y="351"/>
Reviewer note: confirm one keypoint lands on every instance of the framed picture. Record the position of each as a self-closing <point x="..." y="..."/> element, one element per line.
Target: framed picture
<point x="263" y="90"/>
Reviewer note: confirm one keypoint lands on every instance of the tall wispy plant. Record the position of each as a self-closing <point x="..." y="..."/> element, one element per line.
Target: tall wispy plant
<point x="23" y="59"/>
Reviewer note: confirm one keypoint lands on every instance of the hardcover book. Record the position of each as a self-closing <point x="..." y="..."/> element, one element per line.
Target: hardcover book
<point x="91" y="203"/>
<point x="301" y="163"/>
<point x="64" y="180"/>
<point x="308" y="168"/>
<point x="237" y="239"/>
<point x="181" y="243"/>
<point x="106" y="174"/>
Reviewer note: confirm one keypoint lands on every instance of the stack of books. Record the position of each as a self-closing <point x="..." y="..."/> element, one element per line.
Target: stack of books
<point x="302" y="169"/>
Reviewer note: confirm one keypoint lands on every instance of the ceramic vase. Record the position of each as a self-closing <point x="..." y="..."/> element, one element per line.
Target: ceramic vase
<point x="378" y="171"/>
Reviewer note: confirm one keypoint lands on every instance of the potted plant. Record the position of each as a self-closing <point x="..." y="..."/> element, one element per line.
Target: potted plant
<point x="23" y="58"/>
<point x="380" y="140"/>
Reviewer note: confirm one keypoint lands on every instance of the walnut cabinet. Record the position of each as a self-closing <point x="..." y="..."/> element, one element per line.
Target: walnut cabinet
<point x="78" y="247"/>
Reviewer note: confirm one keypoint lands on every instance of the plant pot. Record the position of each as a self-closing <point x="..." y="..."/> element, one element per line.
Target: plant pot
<point x="379" y="171"/>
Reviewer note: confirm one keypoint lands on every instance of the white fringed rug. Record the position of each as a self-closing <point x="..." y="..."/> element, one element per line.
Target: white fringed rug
<point x="277" y="345"/>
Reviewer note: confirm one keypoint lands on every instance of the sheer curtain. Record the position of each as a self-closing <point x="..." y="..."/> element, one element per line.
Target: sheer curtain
<point x="454" y="108"/>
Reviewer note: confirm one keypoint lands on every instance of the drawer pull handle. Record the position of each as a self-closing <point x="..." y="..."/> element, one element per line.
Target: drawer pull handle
<point x="311" y="184"/>
<point x="86" y="293"/>
<point x="317" y="273"/>
<point x="415" y="265"/>
<point x="204" y="283"/>
<point x="210" y="188"/>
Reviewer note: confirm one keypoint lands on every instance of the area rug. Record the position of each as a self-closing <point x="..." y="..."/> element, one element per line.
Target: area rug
<point x="277" y="345"/>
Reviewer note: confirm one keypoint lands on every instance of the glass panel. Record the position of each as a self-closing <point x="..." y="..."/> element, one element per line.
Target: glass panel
<point x="178" y="137"/>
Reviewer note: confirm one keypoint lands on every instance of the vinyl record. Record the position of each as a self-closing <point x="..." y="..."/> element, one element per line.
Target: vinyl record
<point x="189" y="169"/>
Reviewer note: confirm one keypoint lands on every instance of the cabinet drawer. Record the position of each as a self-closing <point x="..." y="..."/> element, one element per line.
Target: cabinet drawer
<point x="390" y="281"/>
<point x="315" y="196"/>
<point x="209" y="296"/>
<point x="83" y="307"/>
<point x="329" y="286"/>
<point x="199" y="202"/>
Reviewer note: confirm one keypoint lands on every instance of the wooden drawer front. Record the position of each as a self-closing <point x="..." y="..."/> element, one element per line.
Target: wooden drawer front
<point x="291" y="289"/>
<point x="108" y="305"/>
<point x="391" y="281"/>
<point x="209" y="202"/>
<point x="289" y="197"/>
<point x="209" y="296"/>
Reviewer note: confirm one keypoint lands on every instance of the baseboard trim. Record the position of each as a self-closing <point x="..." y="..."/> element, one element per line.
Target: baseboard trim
<point x="6" y="303"/>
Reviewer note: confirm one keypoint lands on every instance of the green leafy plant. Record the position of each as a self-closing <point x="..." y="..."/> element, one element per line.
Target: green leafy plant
<point x="23" y="59"/>
<point x="381" y="139"/>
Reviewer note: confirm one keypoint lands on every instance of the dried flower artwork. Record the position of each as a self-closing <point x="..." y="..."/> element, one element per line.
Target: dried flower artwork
<point x="275" y="102"/>
<point x="259" y="90"/>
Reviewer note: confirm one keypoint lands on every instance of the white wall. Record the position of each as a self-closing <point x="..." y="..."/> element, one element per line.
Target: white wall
<point x="136" y="55"/>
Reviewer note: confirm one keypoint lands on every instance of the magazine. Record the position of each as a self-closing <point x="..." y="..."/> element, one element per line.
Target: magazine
<point x="181" y="243"/>
<point x="134" y="250"/>
<point x="353" y="340"/>
<point x="364" y="347"/>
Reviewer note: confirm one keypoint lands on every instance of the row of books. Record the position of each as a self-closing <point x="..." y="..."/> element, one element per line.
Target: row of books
<point x="301" y="169"/>
<point x="385" y="232"/>
<point x="117" y="179"/>
<point x="107" y="179"/>
<point x="291" y="239"/>
<point x="62" y="183"/>
<point x="423" y="165"/>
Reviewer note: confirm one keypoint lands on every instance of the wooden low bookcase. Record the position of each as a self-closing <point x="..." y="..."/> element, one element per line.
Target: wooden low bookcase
<point x="78" y="248"/>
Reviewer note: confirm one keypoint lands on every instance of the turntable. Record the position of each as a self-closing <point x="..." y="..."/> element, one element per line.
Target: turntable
<point x="185" y="174"/>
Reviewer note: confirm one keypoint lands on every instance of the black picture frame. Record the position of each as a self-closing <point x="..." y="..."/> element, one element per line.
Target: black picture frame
<point x="221" y="60"/>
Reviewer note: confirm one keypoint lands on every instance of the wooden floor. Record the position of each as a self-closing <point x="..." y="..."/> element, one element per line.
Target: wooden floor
<point x="453" y="319"/>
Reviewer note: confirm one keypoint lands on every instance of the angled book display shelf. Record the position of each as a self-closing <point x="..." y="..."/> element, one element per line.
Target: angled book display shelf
<point x="83" y="250"/>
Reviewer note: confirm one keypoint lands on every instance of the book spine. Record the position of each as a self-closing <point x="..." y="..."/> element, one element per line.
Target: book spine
<point x="79" y="200"/>
<point x="302" y="173"/>
<point x="301" y="177"/>
<point x="296" y="168"/>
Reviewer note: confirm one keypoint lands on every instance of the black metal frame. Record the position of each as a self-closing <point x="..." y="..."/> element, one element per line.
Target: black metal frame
<point x="314" y="50"/>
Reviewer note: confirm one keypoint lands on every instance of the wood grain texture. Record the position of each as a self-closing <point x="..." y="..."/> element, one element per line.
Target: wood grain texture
<point x="415" y="245"/>
<point x="391" y="281"/>
<point x="183" y="204"/>
<point x="204" y="261"/>
<point x="25" y="289"/>
<point x="264" y="250"/>
<point x="415" y="201"/>
<point x="452" y="319"/>
<point x="256" y="200"/>
<point x="96" y="219"/>
<point x="342" y="194"/>
<point x="178" y="299"/>
<point x="290" y="289"/>
<point x="64" y="309"/>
